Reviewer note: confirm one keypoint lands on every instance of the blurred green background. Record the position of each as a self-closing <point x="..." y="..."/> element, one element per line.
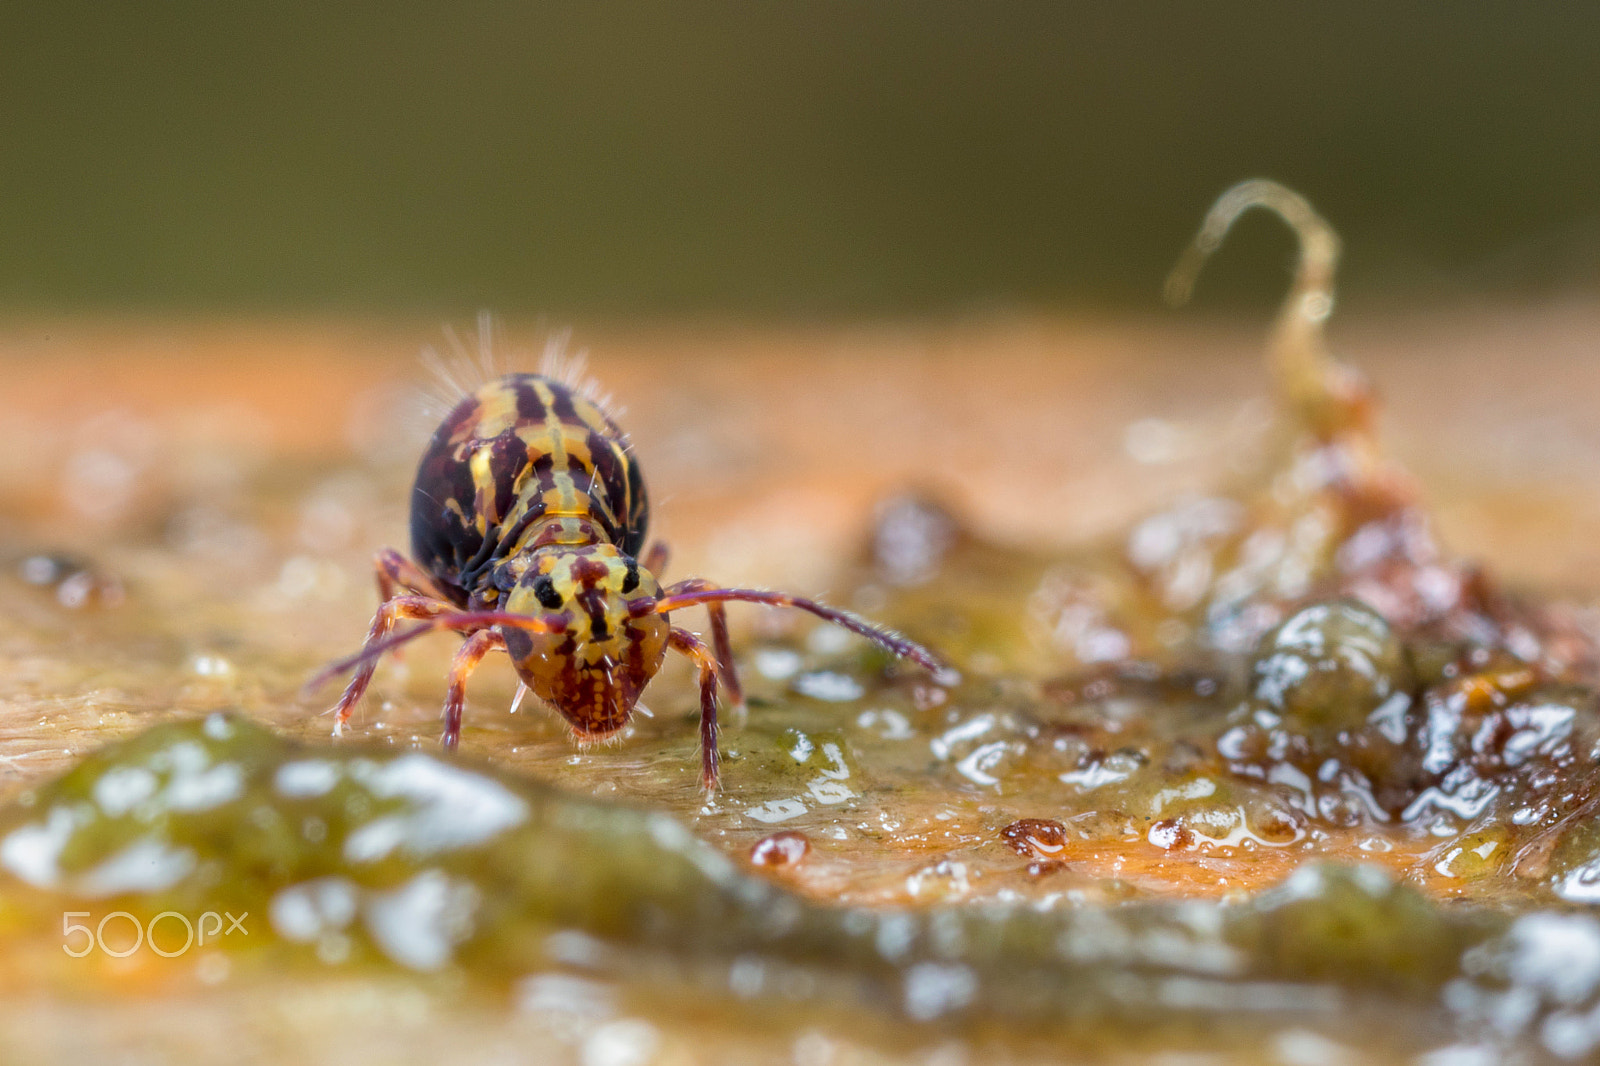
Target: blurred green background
<point x="827" y="157"/>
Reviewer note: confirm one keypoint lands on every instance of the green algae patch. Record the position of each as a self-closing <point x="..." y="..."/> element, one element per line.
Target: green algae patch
<point x="410" y="861"/>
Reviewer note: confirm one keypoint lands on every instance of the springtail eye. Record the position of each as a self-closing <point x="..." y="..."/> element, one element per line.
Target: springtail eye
<point x="545" y="590"/>
<point x="630" y="580"/>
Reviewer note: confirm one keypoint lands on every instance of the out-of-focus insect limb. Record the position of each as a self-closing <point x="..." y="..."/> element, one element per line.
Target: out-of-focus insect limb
<point x="420" y="607"/>
<point x="680" y="596"/>
<point x="468" y="656"/>
<point x="394" y="572"/>
<point x="719" y="641"/>
<point x="448" y="618"/>
<point x="686" y="643"/>
<point x="443" y="616"/>
<point x="656" y="557"/>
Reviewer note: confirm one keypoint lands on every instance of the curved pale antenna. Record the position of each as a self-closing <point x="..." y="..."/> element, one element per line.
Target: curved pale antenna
<point x="1306" y="372"/>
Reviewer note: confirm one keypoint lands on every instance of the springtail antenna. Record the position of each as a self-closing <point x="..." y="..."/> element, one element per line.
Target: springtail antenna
<point x="887" y="639"/>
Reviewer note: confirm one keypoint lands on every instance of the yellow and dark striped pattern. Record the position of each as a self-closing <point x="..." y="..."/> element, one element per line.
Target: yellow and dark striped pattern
<point x="597" y="658"/>
<point x="522" y="462"/>
<point x="527" y="519"/>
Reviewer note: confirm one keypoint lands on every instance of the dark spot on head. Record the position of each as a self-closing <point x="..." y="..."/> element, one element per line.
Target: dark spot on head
<point x="594" y="603"/>
<point x="630" y="580"/>
<point x="545" y="589"/>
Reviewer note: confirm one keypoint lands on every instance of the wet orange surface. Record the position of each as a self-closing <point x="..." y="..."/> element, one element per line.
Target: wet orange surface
<point x="229" y="482"/>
